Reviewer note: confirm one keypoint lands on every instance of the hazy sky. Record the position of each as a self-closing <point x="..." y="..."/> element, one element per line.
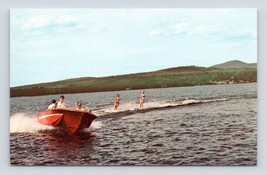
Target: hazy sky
<point x="52" y="44"/>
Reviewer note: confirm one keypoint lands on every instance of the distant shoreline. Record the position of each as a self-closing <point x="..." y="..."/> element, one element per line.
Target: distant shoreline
<point x="173" y="77"/>
<point x="134" y="89"/>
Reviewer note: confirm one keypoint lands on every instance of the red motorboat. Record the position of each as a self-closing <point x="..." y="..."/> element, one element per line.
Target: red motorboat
<point x="68" y="119"/>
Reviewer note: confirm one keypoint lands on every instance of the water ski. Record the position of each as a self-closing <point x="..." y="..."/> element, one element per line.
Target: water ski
<point x="139" y="110"/>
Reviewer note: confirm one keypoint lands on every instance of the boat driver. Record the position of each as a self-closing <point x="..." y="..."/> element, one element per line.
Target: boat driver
<point x="61" y="103"/>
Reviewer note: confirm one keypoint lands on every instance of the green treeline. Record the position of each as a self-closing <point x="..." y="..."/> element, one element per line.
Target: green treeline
<point x="173" y="77"/>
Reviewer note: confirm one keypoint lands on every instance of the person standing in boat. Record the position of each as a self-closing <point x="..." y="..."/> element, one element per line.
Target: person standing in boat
<point x="142" y="99"/>
<point x="117" y="102"/>
<point x="79" y="106"/>
<point x="61" y="103"/>
<point x="53" y="105"/>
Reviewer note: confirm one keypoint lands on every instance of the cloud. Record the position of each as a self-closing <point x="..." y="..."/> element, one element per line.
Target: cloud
<point x="36" y="22"/>
<point x="186" y="29"/>
<point x="45" y="24"/>
<point x="206" y="30"/>
<point x="154" y="33"/>
<point x="244" y="34"/>
<point x="181" y="28"/>
<point x="216" y="32"/>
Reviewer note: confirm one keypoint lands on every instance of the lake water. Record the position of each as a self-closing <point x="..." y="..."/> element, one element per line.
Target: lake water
<point x="200" y="125"/>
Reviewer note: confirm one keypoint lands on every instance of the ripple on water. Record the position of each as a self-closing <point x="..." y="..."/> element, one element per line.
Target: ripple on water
<point x="168" y="137"/>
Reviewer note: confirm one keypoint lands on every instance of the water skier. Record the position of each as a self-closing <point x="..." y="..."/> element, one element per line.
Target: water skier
<point x="142" y="99"/>
<point x="116" y="102"/>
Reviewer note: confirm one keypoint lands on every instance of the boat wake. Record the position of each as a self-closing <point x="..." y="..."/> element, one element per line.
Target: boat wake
<point x="25" y="123"/>
<point x="132" y="108"/>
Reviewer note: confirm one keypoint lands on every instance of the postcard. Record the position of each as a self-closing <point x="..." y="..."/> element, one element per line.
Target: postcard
<point x="165" y="87"/>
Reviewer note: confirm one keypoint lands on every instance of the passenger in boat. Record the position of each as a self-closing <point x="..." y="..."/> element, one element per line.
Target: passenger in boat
<point x="142" y="99"/>
<point x="79" y="106"/>
<point x="53" y="105"/>
<point x="116" y="102"/>
<point x="61" y="103"/>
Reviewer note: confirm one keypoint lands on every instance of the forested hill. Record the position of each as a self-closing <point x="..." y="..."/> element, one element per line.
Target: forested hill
<point x="235" y="64"/>
<point x="172" y="77"/>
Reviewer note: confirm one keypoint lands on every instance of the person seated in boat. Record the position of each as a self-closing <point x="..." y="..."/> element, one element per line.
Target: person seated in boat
<point x="79" y="106"/>
<point x="116" y="102"/>
<point x="142" y="99"/>
<point x="61" y="103"/>
<point x="53" y="105"/>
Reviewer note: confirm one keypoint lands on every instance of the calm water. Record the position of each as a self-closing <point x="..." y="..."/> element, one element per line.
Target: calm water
<point x="201" y="125"/>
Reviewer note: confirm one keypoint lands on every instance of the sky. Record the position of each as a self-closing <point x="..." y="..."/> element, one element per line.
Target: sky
<point x="55" y="44"/>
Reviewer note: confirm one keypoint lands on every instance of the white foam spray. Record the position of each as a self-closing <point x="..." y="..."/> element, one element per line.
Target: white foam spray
<point x="94" y="126"/>
<point x="191" y="101"/>
<point x="23" y="123"/>
<point x="157" y="104"/>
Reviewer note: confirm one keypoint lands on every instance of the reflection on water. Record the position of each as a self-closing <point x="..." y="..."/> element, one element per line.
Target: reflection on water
<point x="220" y="132"/>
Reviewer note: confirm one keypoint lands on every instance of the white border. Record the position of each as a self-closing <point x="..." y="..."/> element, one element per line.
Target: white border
<point x="261" y="5"/>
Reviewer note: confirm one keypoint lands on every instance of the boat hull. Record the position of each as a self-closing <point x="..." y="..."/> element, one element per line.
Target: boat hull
<point x="69" y="120"/>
